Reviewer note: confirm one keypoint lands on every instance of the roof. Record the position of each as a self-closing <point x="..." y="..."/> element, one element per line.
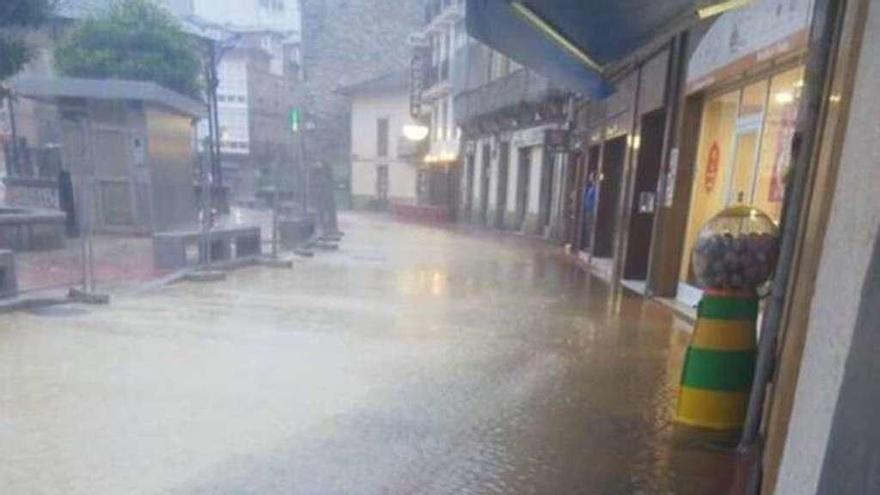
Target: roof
<point x="108" y="89"/>
<point x="386" y="83"/>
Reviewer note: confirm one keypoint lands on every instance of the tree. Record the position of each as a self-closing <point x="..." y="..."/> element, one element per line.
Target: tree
<point x="16" y="15"/>
<point x="132" y="39"/>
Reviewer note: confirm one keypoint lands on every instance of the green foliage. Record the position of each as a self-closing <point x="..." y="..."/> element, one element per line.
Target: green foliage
<point x="14" y="15"/>
<point x="133" y="39"/>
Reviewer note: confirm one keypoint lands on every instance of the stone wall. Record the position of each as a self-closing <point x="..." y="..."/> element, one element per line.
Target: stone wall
<point x="344" y="42"/>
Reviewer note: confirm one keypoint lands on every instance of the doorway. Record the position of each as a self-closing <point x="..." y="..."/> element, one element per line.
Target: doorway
<point x="546" y="197"/>
<point x="644" y="201"/>
<point x="382" y="187"/>
<point x="484" y="184"/>
<point x="588" y="201"/>
<point x="523" y="179"/>
<point x="609" y="194"/>
<point x="501" y="186"/>
<point x="573" y="174"/>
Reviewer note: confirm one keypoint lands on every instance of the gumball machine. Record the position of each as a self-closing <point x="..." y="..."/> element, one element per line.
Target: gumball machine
<point x="733" y="259"/>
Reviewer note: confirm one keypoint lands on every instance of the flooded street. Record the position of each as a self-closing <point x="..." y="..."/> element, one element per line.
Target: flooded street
<point x="413" y="360"/>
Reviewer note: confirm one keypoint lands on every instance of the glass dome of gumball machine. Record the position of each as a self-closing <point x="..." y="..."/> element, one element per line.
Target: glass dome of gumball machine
<point x="734" y="256"/>
<point x="736" y="250"/>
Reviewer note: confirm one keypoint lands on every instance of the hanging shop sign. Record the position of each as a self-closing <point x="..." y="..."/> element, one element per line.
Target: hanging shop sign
<point x="416" y="83"/>
<point x="712" y="167"/>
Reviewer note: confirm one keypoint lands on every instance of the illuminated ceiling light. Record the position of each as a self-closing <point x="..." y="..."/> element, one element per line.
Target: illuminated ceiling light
<point x="799" y="83"/>
<point x="538" y="22"/>
<point x="720" y="8"/>
<point x="415" y="132"/>
<point x="784" y="97"/>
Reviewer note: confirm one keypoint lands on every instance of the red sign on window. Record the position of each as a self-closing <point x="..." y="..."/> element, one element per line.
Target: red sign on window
<point x="712" y="167"/>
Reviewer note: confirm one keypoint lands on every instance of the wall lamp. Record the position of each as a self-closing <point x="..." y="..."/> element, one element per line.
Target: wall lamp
<point x="720" y="8"/>
<point x="551" y="32"/>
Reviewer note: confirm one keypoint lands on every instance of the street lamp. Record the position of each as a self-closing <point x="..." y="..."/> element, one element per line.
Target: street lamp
<point x="415" y="132"/>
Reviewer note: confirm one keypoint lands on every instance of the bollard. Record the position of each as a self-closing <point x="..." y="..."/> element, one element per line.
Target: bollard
<point x="720" y="362"/>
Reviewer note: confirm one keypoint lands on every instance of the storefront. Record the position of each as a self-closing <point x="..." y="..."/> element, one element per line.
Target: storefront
<point x="620" y="150"/>
<point x="746" y="74"/>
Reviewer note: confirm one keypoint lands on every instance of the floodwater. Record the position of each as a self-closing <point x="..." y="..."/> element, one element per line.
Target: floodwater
<point x="415" y="360"/>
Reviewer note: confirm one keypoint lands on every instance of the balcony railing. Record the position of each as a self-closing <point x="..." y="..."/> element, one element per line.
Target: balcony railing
<point x="437" y="74"/>
<point x="521" y="86"/>
<point x="408" y="149"/>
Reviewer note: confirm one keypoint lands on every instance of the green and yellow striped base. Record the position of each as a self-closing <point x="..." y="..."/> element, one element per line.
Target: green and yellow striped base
<point x="720" y="362"/>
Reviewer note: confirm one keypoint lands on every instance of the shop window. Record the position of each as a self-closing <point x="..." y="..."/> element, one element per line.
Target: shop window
<point x="713" y="156"/>
<point x="746" y="140"/>
<point x="743" y="152"/>
<point x="779" y="126"/>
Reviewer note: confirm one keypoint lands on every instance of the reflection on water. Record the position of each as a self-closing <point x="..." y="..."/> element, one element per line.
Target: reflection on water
<point x="413" y="360"/>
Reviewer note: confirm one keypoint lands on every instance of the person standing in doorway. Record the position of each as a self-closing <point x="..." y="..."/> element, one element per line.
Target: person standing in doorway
<point x="589" y="211"/>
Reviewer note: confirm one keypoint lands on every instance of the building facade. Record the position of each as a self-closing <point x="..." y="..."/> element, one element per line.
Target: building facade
<point x="512" y="177"/>
<point x="257" y="47"/>
<point x="249" y="15"/>
<point x="346" y="42"/>
<point x="439" y="62"/>
<point x="254" y="98"/>
<point x="768" y="105"/>
<point x="384" y="163"/>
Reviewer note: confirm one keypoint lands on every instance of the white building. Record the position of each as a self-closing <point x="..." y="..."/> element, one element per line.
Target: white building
<point x="251" y="15"/>
<point x="258" y="50"/>
<point x="438" y="45"/>
<point x="384" y="166"/>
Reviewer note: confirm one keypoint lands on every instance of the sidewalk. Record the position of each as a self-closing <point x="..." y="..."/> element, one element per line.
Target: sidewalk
<point x="118" y="261"/>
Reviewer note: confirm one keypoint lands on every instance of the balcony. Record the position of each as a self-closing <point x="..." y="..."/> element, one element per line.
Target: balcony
<point x="437" y="80"/>
<point x="409" y="150"/>
<point x="505" y="94"/>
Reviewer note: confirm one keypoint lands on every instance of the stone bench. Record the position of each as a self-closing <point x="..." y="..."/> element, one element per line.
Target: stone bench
<point x="293" y="232"/>
<point x="180" y="249"/>
<point x="8" y="280"/>
<point x="27" y="229"/>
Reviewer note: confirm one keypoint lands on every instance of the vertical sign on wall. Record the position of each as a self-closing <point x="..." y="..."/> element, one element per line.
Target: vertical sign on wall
<point x="416" y="83"/>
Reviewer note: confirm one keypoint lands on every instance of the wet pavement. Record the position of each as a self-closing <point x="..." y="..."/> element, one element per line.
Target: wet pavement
<point x="119" y="261"/>
<point x="414" y="360"/>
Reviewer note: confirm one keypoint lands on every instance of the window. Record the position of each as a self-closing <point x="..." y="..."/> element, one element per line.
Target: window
<point x="382" y="136"/>
<point x="779" y="125"/>
<point x="743" y="152"/>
